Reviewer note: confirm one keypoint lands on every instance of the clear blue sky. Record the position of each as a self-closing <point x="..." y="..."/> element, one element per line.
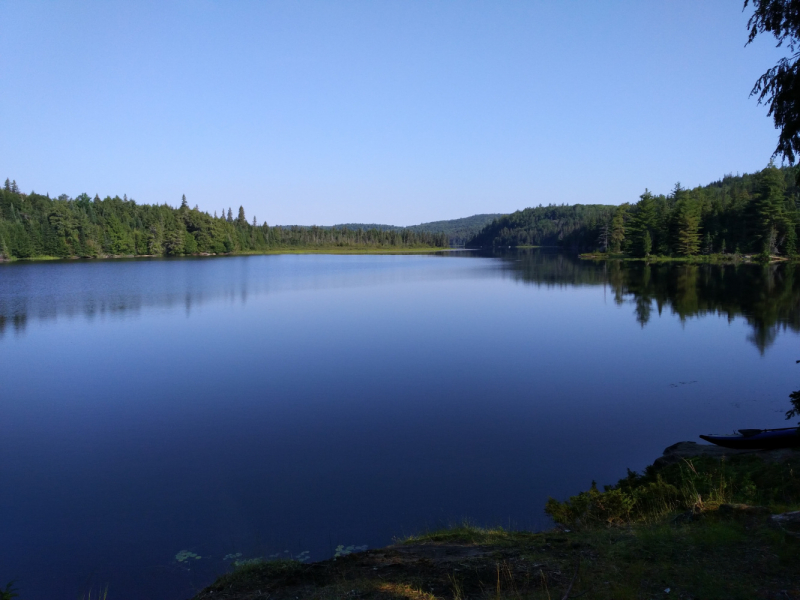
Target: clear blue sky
<point x="378" y="111"/>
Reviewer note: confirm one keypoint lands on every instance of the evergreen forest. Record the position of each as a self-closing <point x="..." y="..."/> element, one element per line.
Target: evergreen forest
<point x="459" y="231"/>
<point x="743" y="214"/>
<point x="33" y="225"/>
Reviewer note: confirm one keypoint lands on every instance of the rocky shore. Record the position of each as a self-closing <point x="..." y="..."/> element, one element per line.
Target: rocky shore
<point x="739" y="537"/>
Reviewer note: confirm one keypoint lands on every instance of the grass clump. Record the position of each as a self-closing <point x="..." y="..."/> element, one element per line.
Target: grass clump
<point x="628" y="541"/>
<point x="696" y="485"/>
<point x="9" y="592"/>
<point x="467" y="533"/>
<point x="252" y="571"/>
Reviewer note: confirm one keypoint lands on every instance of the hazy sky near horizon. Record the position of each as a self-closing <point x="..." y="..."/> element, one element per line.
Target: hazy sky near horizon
<point x="394" y="112"/>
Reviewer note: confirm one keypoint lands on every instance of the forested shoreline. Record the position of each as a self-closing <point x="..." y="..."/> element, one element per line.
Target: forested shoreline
<point x="33" y="225"/>
<point x="743" y="214"/>
<point x="755" y="214"/>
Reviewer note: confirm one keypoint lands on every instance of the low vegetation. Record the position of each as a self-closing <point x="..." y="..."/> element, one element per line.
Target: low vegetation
<point x="698" y="528"/>
<point x="696" y="485"/>
<point x="9" y="592"/>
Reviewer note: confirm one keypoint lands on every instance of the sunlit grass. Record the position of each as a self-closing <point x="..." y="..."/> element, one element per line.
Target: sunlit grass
<point x="467" y="533"/>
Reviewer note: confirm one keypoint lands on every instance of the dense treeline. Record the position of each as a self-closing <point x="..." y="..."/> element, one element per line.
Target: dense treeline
<point x="459" y="231"/>
<point x="573" y="227"/>
<point x="35" y="225"/>
<point x="756" y="214"/>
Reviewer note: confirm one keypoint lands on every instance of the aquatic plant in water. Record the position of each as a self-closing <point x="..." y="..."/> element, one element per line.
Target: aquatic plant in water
<point x="185" y="556"/>
<point x="345" y="550"/>
<point x="278" y="557"/>
<point x="100" y="595"/>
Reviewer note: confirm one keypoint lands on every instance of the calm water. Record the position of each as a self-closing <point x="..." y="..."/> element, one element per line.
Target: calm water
<point x="281" y="404"/>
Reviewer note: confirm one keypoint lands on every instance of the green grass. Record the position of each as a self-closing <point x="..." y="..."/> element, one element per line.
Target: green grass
<point x="700" y="528"/>
<point x="258" y="570"/>
<point x="714" y="558"/>
<point x="697" y="484"/>
<point x="696" y="259"/>
<point x="470" y="534"/>
<point x="282" y="250"/>
<point x="349" y="250"/>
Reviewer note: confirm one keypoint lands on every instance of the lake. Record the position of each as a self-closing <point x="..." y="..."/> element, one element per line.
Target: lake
<point x="161" y="418"/>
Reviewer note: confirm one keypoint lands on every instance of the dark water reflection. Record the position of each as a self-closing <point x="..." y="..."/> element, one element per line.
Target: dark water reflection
<point x="766" y="296"/>
<point x="281" y="404"/>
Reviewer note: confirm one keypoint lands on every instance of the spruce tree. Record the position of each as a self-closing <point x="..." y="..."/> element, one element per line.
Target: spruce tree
<point x="617" y="236"/>
<point x="769" y="208"/>
<point x="643" y="224"/>
<point x="602" y="239"/>
<point x="184" y="203"/>
<point x="647" y="244"/>
<point x="687" y="225"/>
<point x="790" y="241"/>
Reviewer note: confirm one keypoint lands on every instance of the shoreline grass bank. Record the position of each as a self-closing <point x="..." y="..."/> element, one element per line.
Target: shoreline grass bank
<point x="696" y="259"/>
<point x="689" y="527"/>
<point x="285" y="250"/>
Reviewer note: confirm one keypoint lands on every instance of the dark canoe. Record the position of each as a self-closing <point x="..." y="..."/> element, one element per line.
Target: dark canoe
<point x="757" y="439"/>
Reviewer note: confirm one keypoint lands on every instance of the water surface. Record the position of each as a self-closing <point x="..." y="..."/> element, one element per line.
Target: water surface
<point x="279" y="404"/>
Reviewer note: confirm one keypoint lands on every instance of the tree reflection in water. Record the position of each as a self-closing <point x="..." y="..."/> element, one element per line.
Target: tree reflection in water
<point x="766" y="296"/>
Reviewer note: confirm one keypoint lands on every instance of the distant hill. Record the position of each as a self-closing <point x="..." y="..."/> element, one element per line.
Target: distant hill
<point x="574" y="227"/>
<point x="457" y="230"/>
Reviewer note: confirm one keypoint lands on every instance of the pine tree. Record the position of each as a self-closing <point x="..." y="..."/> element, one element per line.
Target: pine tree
<point x="241" y="219"/>
<point x="7" y="185"/>
<point x="769" y="208"/>
<point x="14" y="187"/>
<point x="602" y="239"/>
<point x="617" y="236"/>
<point x="4" y="252"/>
<point x="230" y="215"/>
<point x="184" y="203"/>
<point x="686" y="223"/>
<point x="790" y="241"/>
<point x="643" y="224"/>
